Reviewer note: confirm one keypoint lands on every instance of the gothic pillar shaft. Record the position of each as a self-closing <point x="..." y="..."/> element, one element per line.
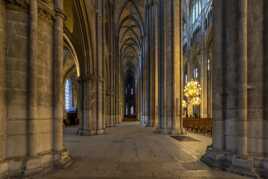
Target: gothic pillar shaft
<point x="238" y="84"/>
<point x="218" y="81"/>
<point x="162" y="66"/>
<point x="32" y="78"/>
<point x="170" y="89"/>
<point x="156" y="57"/>
<point x="3" y="108"/>
<point x="100" y="82"/>
<point x="255" y="79"/>
<point x="147" y="70"/>
<point x="57" y="77"/>
<point x="177" y="67"/>
<point x="153" y="63"/>
<point x="244" y="77"/>
<point x="151" y="32"/>
<point x="204" y="82"/>
<point x="88" y="106"/>
<point x="265" y="72"/>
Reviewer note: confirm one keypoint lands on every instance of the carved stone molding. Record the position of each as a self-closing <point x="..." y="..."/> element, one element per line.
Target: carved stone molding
<point x="60" y="13"/>
<point x="17" y="3"/>
<point x="44" y="11"/>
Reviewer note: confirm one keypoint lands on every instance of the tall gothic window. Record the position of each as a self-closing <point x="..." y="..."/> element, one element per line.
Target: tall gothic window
<point x="196" y="10"/>
<point x="126" y="111"/>
<point x="208" y="64"/>
<point x="196" y="74"/>
<point x="68" y="96"/>
<point x="186" y="78"/>
<point x="132" y="110"/>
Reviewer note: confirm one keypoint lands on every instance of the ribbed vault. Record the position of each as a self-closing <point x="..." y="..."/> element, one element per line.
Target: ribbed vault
<point x="130" y="35"/>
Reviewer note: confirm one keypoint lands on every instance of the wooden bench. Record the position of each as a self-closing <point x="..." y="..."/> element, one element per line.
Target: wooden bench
<point x="198" y="125"/>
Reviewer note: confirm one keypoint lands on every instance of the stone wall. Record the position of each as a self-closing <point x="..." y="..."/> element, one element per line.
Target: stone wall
<point x="239" y="139"/>
<point x="3" y="110"/>
<point x="27" y="55"/>
<point x="17" y="90"/>
<point x="170" y="67"/>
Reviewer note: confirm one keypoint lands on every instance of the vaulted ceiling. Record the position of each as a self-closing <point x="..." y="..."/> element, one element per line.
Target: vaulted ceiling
<point x="130" y="23"/>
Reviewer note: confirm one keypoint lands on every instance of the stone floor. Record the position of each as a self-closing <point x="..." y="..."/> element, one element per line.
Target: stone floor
<point x="132" y="152"/>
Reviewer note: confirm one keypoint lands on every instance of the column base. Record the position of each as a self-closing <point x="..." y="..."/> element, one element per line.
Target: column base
<point x="89" y="132"/>
<point x="116" y="120"/>
<point x="63" y="159"/>
<point x="162" y="131"/>
<point x="85" y="132"/>
<point x="247" y="166"/>
<point x="37" y="165"/>
<point x="100" y="132"/>
<point x="172" y="132"/>
<point x="175" y="132"/>
<point x="145" y="121"/>
<point x="3" y="169"/>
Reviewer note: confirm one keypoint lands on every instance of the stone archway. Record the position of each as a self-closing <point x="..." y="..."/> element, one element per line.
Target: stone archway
<point x="71" y="85"/>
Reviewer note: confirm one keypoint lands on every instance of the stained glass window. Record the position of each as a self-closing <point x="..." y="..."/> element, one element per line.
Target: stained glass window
<point x="68" y="96"/>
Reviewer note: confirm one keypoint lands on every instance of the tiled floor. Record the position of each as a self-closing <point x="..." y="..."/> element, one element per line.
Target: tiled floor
<point x="132" y="152"/>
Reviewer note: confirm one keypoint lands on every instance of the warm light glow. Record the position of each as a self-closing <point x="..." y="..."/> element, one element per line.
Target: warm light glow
<point x="196" y="101"/>
<point x="192" y="92"/>
<point x="184" y="104"/>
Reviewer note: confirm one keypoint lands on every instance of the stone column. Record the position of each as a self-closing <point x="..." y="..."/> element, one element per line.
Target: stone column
<point x="156" y="57"/>
<point x="171" y="70"/>
<point x="16" y="82"/>
<point x="108" y="107"/>
<point x="113" y="115"/>
<point x="254" y="51"/>
<point x="137" y="95"/>
<point x="88" y="106"/>
<point x="147" y="70"/>
<point x="153" y="64"/>
<point x="120" y="99"/>
<point x="265" y="85"/>
<point x="177" y="126"/>
<point x="218" y="80"/>
<point x="99" y="81"/>
<point x="162" y="67"/>
<point x="57" y="77"/>
<point x="32" y="79"/>
<point x="204" y="82"/>
<point x="117" y="69"/>
<point x="238" y="95"/>
<point x="33" y="91"/>
<point x="151" y="50"/>
<point x="61" y="155"/>
<point x="3" y="107"/>
<point x="113" y="75"/>
<point x="105" y="102"/>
